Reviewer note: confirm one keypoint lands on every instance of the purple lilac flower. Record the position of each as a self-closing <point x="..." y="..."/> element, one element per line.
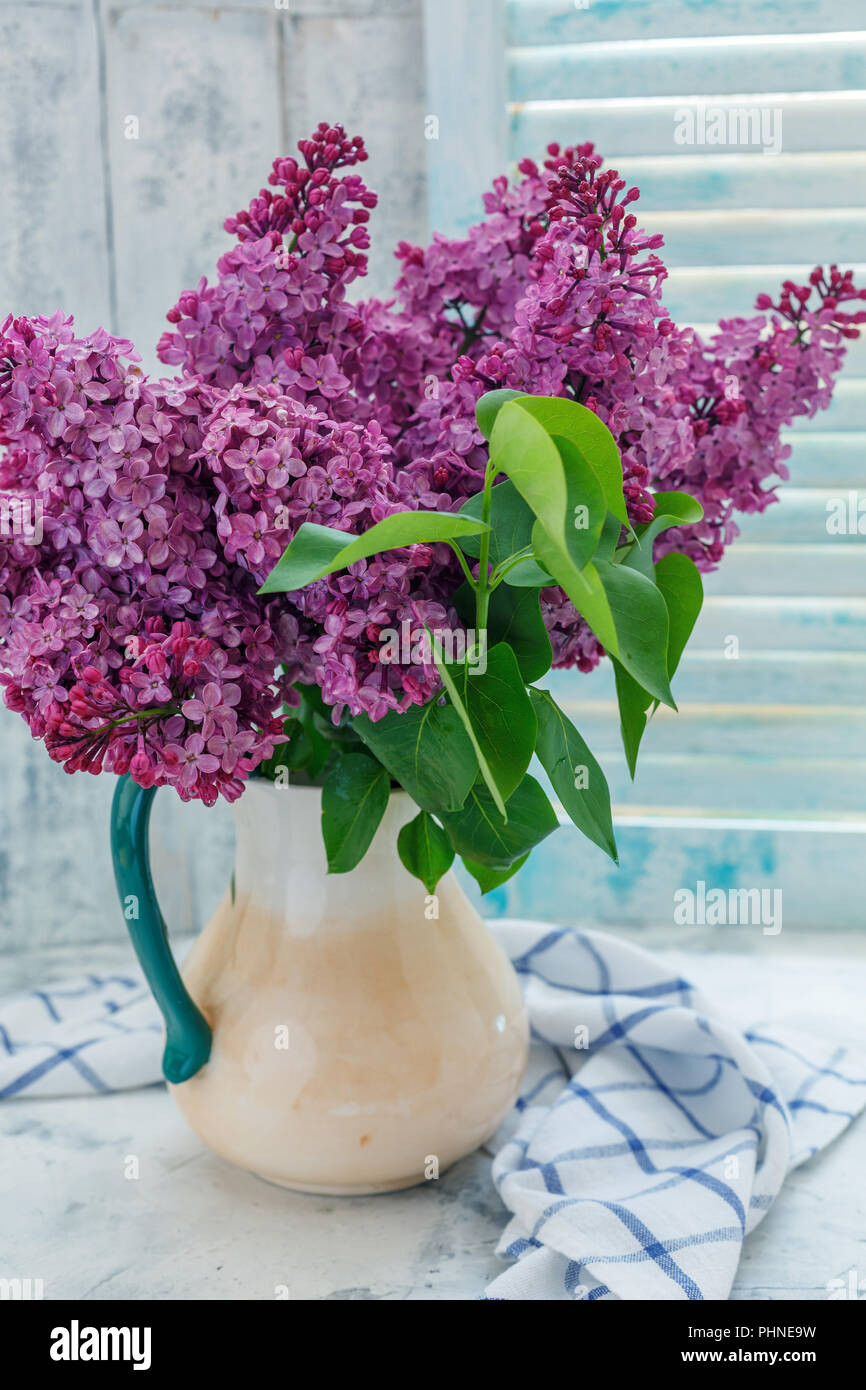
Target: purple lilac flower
<point x="132" y="635"/>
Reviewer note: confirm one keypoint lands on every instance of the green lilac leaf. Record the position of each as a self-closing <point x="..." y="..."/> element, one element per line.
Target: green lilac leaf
<point x="427" y="750"/>
<point x="487" y="878"/>
<point x="481" y="834"/>
<point x="425" y="850"/>
<point x="514" y="618"/>
<point x="489" y="406"/>
<point x="354" y="800"/>
<point x="316" y="551"/>
<point x="672" y="509"/>
<point x="565" y="757"/>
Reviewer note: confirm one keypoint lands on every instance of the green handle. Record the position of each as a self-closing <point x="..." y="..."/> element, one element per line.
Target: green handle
<point x="188" y="1034"/>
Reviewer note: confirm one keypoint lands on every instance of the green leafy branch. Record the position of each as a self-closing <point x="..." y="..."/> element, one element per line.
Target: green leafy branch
<point x="556" y="517"/>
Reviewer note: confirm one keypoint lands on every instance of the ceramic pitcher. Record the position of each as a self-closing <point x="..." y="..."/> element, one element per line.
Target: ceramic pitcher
<point x="334" y="1033"/>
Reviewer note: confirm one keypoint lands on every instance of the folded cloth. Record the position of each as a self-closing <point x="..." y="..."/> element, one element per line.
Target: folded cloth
<point x="101" y="1032"/>
<point x="649" y="1138"/>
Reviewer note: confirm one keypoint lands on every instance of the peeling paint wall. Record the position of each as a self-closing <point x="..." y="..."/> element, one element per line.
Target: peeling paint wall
<point x="112" y="228"/>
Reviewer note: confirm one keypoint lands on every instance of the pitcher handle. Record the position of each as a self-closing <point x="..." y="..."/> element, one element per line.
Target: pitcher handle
<point x="188" y="1034"/>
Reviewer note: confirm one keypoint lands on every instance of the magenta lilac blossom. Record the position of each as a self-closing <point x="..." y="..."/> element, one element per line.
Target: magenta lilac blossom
<point x="132" y="635"/>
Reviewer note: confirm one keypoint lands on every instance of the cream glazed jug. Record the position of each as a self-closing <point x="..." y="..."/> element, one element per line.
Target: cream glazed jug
<point x="333" y="1033"/>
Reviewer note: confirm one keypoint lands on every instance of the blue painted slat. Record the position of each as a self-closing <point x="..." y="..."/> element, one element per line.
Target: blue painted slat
<point x="854" y="361"/>
<point x="821" y="873"/>
<point x="833" y="178"/>
<point x="710" y="293"/>
<point x="563" y="21"/>
<point x="769" y="624"/>
<point x="834" y="569"/>
<point x="847" y="410"/>
<point x="647" y="125"/>
<point x="720" y="784"/>
<point x="464" y="125"/>
<point x="739" y="729"/>
<point x="727" y="237"/>
<point x="677" y="67"/>
<point x="756" y="677"/>
<point x="826" y="459"/>
<point x="736" y="222"/>
<point x="804" y="516"/>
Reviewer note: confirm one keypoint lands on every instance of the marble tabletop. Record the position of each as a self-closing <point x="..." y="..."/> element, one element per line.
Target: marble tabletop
<point x="189" y="1226"/>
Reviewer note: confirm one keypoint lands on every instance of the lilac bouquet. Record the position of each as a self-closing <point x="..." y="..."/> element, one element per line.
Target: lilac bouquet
<point x="146" y="624"/>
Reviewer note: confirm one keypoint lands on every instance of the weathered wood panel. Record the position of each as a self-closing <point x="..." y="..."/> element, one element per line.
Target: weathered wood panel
<point x="465" y="59"/>
<point x="56" y="882"/>
<point x="366" y="70"/>
<point x="53" y="242"/>
<point x="199" y="148"/>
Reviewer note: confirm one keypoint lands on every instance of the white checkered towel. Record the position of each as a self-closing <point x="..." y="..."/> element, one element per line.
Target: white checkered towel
<point x="649" y="1139"/>
<point x="637" y="1160"/>
<point x="101" y="1032"/>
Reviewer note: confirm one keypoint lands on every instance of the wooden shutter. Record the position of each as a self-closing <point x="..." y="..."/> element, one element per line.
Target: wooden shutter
<point x="760" y="780"/>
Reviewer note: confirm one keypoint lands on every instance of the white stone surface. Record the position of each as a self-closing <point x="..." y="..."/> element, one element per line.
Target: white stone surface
<point x="191" y="1227"/>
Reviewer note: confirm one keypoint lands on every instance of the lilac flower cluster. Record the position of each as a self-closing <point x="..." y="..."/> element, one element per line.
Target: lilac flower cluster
<point x="132" y="637"/>
<point x="278" y="313"/>
<point x="276" y="463"/>
<point x="558" y="290"/>
<point x="742" y="389"/>
<point x="128" y="642"/>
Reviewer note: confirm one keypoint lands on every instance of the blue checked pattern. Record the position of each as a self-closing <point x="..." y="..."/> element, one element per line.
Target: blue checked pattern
<point x="99" y="1033"/>
<point x="633" y="1164"/>
<point x="636" y="1163"/>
